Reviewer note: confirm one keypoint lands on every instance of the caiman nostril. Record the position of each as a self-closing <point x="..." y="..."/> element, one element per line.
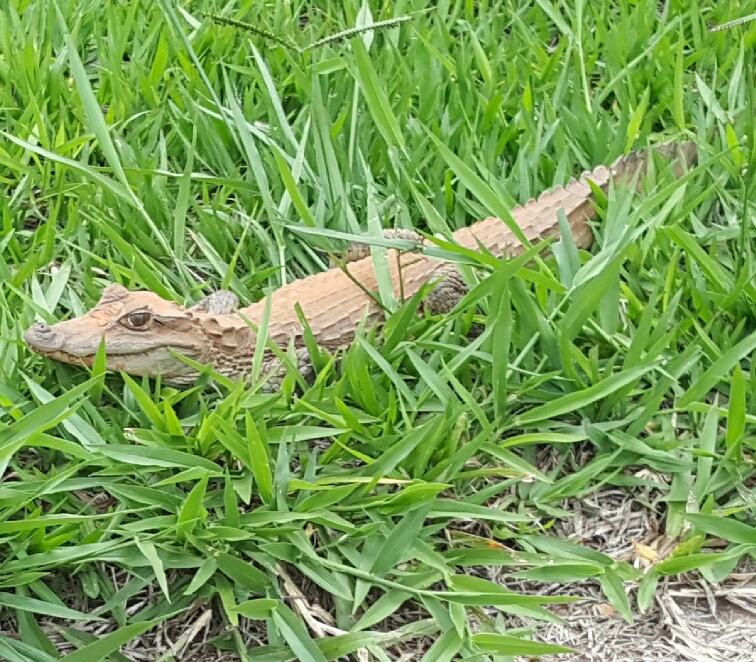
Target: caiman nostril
<point x="41" y="336"/>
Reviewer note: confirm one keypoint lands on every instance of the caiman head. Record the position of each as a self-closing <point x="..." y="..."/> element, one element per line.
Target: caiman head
<point x="141" y="332"/>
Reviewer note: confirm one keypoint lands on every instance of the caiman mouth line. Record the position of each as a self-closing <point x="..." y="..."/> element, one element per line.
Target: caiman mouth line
<point x="62" y="355"/>
<point x="65" y="357"/>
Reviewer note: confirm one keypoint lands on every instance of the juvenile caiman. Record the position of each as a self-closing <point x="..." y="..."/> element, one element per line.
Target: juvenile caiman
<point x="143" y="332"/>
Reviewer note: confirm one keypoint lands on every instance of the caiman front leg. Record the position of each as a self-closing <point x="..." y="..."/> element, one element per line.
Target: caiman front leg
<point x="450" y="286"/>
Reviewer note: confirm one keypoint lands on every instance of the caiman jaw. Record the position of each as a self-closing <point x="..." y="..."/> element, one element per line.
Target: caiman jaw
<point x="44" y="340"/>
<point x="41" y="338"/>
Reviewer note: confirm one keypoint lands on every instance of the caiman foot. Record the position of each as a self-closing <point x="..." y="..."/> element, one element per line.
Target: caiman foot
<point x="450" y="286"/>
<point x="222" y="302"/>
<point x="358" y="251"/>
<point x="449" y="289"/>
<point x="274" y="371"/>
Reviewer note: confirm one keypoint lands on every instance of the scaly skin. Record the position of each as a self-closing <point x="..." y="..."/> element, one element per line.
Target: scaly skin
<point x="141" y="331"/>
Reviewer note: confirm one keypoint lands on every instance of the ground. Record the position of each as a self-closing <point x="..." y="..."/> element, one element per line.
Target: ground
<point x="583" y="424"/>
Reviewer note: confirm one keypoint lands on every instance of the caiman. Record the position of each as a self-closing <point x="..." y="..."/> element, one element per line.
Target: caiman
<point x="143" y="332"/>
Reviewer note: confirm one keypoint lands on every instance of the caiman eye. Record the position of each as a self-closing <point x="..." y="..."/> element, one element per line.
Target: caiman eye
<point x="138" y="321"/>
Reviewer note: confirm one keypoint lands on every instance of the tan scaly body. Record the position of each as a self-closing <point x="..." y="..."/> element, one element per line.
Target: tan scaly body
<point x="332" y="301"/>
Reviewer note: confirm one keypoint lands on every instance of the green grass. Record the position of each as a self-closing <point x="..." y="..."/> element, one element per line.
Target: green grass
<point x="144" y="143"/>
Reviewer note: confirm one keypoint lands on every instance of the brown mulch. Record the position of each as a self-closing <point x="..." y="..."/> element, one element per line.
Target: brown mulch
<point x="690" y="619"/>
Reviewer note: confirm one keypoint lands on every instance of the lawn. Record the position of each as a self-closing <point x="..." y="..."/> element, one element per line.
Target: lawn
<point x="421" y="494"/>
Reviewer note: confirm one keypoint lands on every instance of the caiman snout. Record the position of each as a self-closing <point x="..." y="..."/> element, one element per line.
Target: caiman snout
<point x="41" y="336"/>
